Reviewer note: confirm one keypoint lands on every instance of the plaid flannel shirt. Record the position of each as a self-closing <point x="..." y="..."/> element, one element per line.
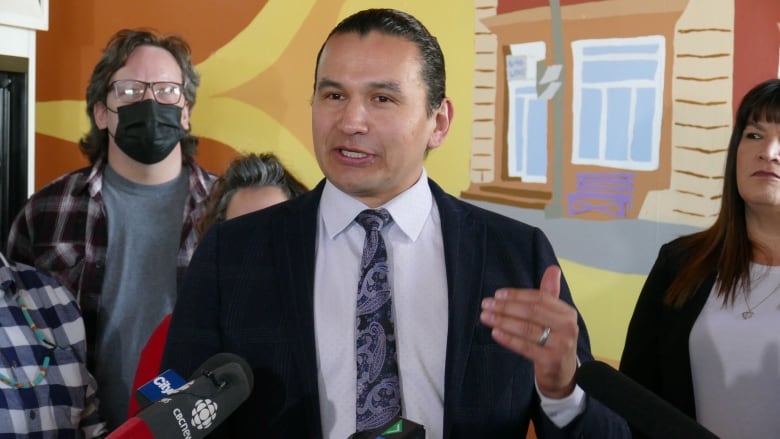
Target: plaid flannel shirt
<point x="63" y="231"/>
<point x="63" y="404"/>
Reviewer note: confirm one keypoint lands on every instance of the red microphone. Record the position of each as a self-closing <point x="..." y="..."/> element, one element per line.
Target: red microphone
<point x="134" y="428"/>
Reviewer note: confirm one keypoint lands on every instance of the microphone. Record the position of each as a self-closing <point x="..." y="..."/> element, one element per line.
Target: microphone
<point x="397" y="428"/>
<point x="169" y="382"/>
<point x="164" y="384"/>
<point x="133" y="428"/>
<point x="646" y="412"/>
<point x="197" y="408"/>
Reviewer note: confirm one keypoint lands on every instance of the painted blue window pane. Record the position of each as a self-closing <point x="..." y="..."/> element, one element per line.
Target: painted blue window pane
<point x="594" y="72"/>
<point x="631" y="49"/>
<point x="590" y="117"/>
<point x="519" y="138"/>
<point x="537" y="137"/>
<point x="618" y="112"/>
<point x="641" y="146"/>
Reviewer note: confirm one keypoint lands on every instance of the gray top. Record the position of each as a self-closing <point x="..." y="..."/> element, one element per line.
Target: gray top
<point x="144" y="228"/>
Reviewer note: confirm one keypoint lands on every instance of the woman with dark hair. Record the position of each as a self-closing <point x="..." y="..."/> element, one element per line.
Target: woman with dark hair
<point x="704" y="334"/>
<point x="251" y="182"/>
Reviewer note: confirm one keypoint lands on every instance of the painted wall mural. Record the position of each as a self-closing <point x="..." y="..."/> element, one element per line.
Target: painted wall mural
<point x="603" y="122"/>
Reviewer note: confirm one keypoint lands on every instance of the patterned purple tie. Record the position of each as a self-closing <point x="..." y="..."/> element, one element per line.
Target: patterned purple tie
<point x="378" y="386"/>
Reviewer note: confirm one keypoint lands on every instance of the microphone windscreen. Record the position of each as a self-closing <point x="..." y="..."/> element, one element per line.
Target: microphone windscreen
<point x="197" y="408"/>
<point x="221" y="359"/>
<point x="645" y="412"/>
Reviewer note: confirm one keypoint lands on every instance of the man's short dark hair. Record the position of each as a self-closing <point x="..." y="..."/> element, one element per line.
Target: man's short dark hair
<point x="401" y="24"/>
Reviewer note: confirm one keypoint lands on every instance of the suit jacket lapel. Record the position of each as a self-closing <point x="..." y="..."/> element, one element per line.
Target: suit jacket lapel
<point x="464" y="242"/>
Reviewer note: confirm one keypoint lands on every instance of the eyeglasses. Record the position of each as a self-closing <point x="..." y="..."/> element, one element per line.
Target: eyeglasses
<point x="130" y="90"/>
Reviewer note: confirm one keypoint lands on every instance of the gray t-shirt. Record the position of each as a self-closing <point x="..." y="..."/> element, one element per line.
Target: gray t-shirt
<point x="139" y="289"/>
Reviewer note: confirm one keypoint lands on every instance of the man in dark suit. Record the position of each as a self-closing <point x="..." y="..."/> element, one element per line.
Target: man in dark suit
<point x="483" y="333"/>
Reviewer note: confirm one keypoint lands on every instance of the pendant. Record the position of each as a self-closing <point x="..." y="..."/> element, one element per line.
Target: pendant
<point x="747" y="314"/>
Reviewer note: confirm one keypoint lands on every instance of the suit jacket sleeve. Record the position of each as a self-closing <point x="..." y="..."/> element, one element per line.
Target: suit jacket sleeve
<point x="193" y="335"/>
<point x="490" y="390"/>
<point x="597" y="421"/>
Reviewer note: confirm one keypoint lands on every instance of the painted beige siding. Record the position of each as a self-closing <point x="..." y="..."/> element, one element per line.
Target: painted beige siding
<point x="483" y="126"/>
<point x="701" y="105"/>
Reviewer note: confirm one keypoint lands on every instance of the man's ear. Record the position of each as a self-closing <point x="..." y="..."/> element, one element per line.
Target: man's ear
<point x="100" y="113"/>
<point x="185" y="116"/>
<point x="443" y="117"/>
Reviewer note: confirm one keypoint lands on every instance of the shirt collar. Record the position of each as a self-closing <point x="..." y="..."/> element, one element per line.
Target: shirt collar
<point x="410" y="209"/>
<point x="94" y="181"/>
<point x="200" y="180"/>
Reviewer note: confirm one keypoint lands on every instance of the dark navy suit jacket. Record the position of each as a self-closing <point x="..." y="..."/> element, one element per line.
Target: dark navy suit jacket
<point x="249" y="290"/>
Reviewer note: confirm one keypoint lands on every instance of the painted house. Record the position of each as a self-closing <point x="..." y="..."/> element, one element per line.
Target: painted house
<point x="612" y="109"/>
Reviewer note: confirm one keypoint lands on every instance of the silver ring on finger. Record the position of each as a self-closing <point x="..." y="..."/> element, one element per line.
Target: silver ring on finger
<point x="545" y="335"/>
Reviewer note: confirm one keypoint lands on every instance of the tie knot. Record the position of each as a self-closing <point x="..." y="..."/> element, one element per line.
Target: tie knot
<point x="373" y="219"/>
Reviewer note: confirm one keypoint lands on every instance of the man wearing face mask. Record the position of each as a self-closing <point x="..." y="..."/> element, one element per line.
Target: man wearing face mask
<point x="119" y="234"/>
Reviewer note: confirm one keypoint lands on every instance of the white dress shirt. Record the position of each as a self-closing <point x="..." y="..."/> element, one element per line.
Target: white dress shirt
<point x="419" y="285"/>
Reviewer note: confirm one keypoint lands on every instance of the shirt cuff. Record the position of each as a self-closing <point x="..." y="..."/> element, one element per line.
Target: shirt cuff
<point x="562" y="411"/>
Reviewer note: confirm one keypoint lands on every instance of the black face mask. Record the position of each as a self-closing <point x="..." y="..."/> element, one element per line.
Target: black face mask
<point x="147" y="131"/>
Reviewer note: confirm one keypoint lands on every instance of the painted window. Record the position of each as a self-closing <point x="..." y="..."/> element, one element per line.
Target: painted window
<point x="527" y="121"/>
<point x="617" y="101"/>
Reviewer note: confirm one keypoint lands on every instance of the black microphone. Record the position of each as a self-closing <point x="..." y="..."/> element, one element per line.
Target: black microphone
<point x="397" y="428"/>
<point x="646" y="413"/>
<point x="197" y="408"/>
<point x="169" y="382"/>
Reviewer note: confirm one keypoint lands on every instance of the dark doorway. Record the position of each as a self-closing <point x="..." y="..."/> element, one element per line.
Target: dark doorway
<point x="13" y="148"/>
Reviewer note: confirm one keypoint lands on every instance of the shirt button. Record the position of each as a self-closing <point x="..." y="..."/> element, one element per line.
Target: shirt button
<point x="32" y="414"/>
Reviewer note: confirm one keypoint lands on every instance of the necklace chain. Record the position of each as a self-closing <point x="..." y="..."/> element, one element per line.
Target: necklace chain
<point x="43" y="368"/>
<point x="750" y="309"/>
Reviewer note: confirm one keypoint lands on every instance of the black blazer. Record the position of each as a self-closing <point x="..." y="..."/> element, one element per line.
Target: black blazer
<point x="656" y="353"/>
<point x="249" y="290"/>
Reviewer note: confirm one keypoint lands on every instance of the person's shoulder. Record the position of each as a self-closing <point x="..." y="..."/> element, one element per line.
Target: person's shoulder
<point x="676" y="243"/>
<point x="680" y="248"/>
<point x="67" y="194"/>
<point x="449" y="204"/>
<point x="200" y="180"/>
<point x="71" y="183"/>
<point x="297" y="207"/>
<point x="298" y="210"/>
<point x="203" y="173"/>
<point x="37" y="283"/>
